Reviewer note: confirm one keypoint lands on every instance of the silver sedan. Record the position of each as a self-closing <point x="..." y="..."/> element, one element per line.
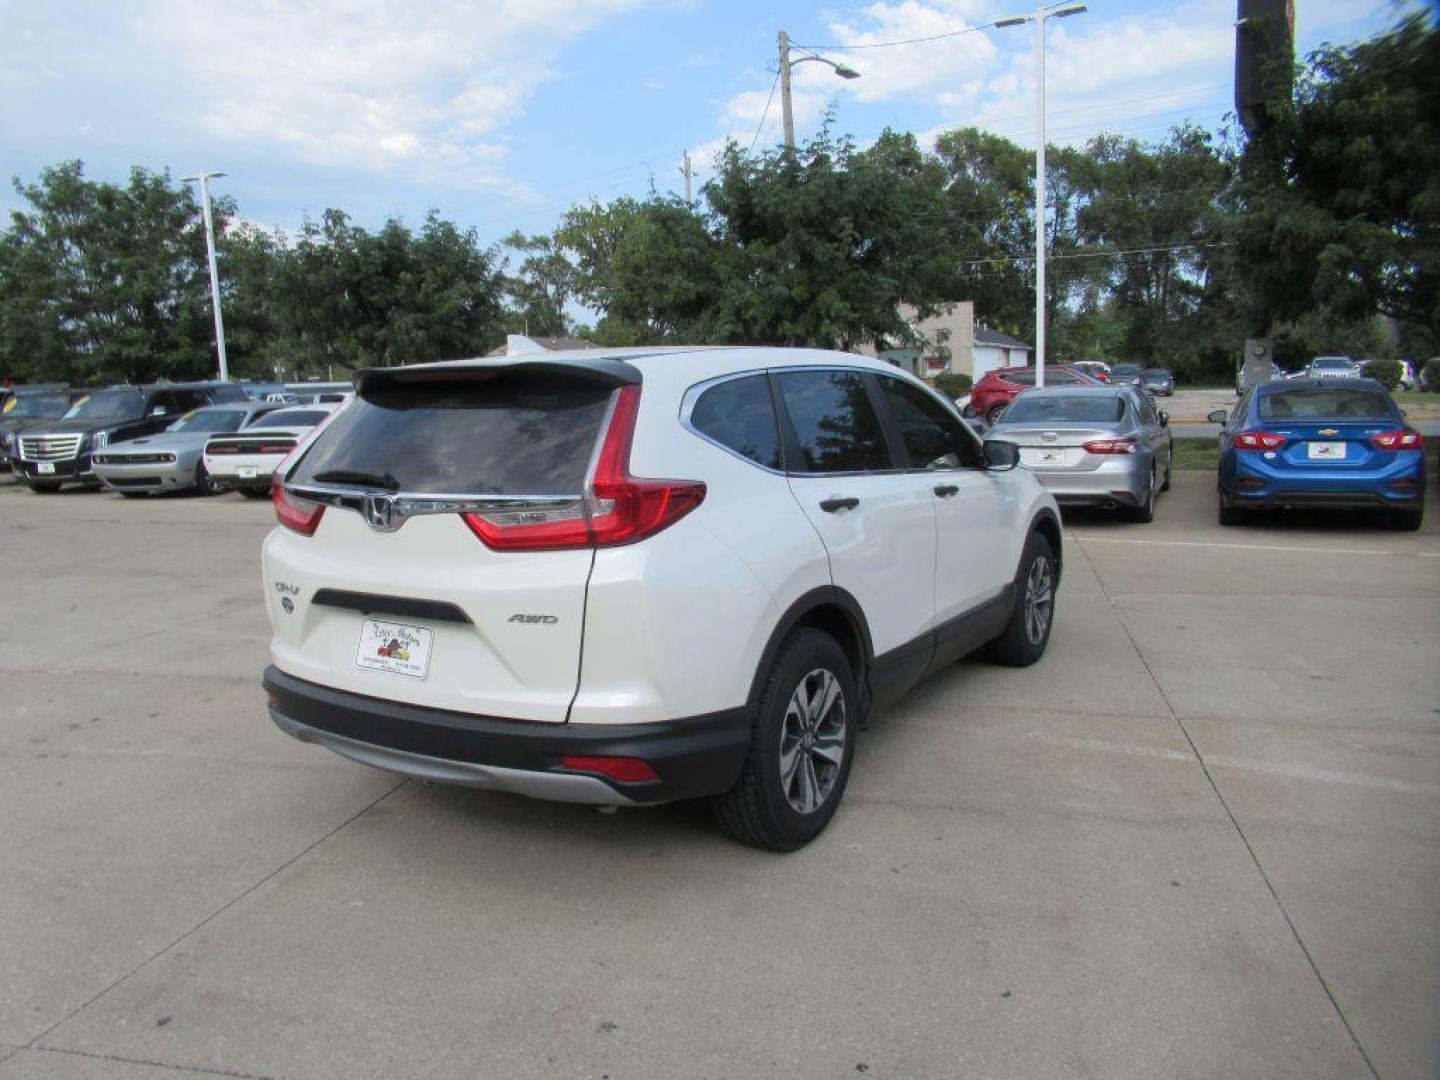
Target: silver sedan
<point x="1106" y="446"/>
<point x="171" y="459"/>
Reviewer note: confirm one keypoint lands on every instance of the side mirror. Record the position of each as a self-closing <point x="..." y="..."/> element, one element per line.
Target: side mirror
<point x="159" y="410"/>
<point x="1001" y="456"/>
<point x="1164" y="418"/>
<point x="1219" y="416"/>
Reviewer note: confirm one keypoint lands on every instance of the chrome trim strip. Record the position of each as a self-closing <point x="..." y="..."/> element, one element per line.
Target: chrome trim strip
<point x="553" y="786"/>
<point x="399" y="507"/>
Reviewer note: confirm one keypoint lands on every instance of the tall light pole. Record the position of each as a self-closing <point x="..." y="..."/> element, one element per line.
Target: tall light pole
<point x="785" y="65"/>
<point x="1039" y="17"/>
<point x="204" y="178"/>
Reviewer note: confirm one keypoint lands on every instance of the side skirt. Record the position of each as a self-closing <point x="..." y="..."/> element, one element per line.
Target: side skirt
<point x="894" y="673"/>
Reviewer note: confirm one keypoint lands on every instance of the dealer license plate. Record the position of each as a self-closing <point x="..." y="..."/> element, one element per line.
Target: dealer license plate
<point x="44" y="468"/>
<point x="394" y="647"/>
<point x="247" y="472"/>
<point x="1327" y="451"/>
<point x="1049" y="456"/>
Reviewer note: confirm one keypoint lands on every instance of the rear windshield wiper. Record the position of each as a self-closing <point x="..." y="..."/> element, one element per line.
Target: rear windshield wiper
<point x="349" y="476"/>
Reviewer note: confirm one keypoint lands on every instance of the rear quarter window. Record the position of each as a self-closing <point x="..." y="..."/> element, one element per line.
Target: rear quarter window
<point x="739" y="414"/>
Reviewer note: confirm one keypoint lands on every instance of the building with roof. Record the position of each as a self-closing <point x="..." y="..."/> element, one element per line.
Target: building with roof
<point x="950" y="341"/>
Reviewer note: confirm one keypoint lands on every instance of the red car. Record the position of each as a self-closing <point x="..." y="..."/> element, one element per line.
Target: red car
<point x="998" y="388"/>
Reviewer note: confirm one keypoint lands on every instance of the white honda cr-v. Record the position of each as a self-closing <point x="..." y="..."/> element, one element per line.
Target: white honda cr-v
<point x="631" y="577"/>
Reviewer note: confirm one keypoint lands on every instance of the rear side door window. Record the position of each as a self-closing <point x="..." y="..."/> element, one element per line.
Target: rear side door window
<point x="739" y="414"/>
<point x="932" y="438"/>
<point x="834" y="425"/>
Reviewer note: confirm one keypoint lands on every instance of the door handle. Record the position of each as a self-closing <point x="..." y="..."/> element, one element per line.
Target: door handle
<point x="832" y="505"/>
<point x="946" y="490"/>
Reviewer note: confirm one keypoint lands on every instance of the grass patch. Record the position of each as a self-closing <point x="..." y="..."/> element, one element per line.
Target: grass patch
<point x="1416" y="397"/>
<point x="1197" y="454"/>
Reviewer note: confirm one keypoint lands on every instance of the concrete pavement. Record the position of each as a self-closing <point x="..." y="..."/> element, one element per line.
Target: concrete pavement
<point x="1198" y="839"/>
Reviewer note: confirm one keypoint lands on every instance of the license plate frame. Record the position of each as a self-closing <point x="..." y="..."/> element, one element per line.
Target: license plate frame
<point x="45" y="468"/>
<point x="247" y="472"/>
<point x="395" y="648"/>
<point x="1050" y="455"/>
<point x="1325" y="451"/>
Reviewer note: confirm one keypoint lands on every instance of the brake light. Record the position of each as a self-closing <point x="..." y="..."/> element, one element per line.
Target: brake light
<point x="627" y="770"/>
<point x="1259" y="440"/>
<point x="618" y="508"/>
<point x="298" y="515"/>
<point x="1399" y="439"/>
<point x="1112" y="446"/>
<point x="275" y="448"/>
<point x="214" y="451"/>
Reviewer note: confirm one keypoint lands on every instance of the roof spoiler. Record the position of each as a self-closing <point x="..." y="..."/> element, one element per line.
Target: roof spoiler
<point x="610" y="373"/>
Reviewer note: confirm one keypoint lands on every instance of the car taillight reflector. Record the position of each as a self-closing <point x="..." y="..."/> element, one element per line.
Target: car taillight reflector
<point x="1112" y="446"/>
<point x="1400" y="439"/>
<point x="1259" y="440"/>
<point x="275" y="448"/>
<point x="618" y="508"/>
<point x="222" y="449"/>
<point x="299" y="515"/>
<point x="627" y="770"/>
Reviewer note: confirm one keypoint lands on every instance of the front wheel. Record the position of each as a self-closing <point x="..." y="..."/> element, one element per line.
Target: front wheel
<point x="992" y="416"/>
<point x="801" y="749"/>
<point x="1028" y="631"/>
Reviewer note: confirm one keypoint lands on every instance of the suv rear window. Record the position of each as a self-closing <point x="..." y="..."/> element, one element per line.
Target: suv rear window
<point x="513" y="434"/>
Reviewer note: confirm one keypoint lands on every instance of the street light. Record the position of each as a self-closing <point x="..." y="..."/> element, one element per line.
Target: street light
<point x="204" y="178"/>
<point x="785" y="65"/>
<point x="1039" y="17"/>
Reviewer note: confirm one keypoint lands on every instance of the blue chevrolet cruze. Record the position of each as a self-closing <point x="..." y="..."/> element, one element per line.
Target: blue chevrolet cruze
<point x="1339" y="443"/>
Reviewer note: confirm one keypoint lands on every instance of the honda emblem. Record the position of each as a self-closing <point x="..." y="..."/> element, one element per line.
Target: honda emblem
<point x="379" y="512"/>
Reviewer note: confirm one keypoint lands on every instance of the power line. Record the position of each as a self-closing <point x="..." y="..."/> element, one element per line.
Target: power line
<point x="907" y="41"/>
<point x="766" y="113"/>
<point x="1099" y="254"/>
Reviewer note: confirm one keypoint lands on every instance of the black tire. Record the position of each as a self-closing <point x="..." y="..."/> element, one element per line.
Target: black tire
<point x="1406" y="520"/>
<point x="205" y="483"/>
<point x="759" y="810"/>
<point x="992" y="415"/>
<point x="255" y="493"/>
<point x="1019" y="645"/>
<point x="134" y="494"/>
<point x="1169" y="468"/>
<point x="1231" y="515"/>
<point x="1145" y="512"/>
<point x="45" y="488"/>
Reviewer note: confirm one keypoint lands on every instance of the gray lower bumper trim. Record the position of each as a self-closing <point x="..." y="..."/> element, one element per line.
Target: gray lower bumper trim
<point x="555" y="787"/>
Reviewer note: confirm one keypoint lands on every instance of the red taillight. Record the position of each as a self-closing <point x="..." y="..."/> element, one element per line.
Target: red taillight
<point x="627" y="770"/>
<point x="213" y="451"/>
<point x="299" y="515"/>
<point x="1259" y="440"/>
<point x="1399" y="439"/>
<point x="617" y="509"/>
<point x="1112" y="446"/>
<point x="275" y="448"/>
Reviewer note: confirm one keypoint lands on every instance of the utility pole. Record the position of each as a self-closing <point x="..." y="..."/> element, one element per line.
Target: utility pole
<point x="686" y="171"/>
<point x="785" y="114"/>
<point x="204" y="178"/>
<point x="1039" y="17"/>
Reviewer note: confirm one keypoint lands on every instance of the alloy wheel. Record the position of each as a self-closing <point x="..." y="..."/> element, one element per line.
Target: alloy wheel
<point x="812" y="741"/>
<point x="1039" y="599"/>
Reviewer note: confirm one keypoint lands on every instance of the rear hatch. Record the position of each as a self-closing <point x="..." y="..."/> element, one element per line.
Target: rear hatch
<point x="398" y="594"/>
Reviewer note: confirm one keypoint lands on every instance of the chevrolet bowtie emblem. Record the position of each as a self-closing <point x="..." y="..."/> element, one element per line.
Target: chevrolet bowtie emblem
<point x="1328" y="431"/>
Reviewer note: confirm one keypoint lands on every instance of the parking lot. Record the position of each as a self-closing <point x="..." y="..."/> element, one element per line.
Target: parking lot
<point x="1200" y="839"/>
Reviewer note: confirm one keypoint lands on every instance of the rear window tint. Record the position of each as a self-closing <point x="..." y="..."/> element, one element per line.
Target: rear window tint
<point x="297" y="418"/>
<point x="508" y="435"/>
<point x="1035" y="409"/>
<point x="834" y="422"/>
<point x="740" y="415"/>
<point x="1337" y="404"/>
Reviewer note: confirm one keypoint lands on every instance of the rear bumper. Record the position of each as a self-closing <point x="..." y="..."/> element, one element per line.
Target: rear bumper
<point x="1336" y="500"/>
<point x="1255" y="483"/>
<point x="694" y="757"/>
<point x="1121" y="481"/>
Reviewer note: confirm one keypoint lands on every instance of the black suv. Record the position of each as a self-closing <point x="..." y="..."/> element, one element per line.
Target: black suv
<point x="25" y="407"/>
<point x="49" y="455"/>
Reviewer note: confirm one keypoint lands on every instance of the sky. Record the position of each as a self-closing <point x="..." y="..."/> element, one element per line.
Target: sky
<point x="500" y="114"/>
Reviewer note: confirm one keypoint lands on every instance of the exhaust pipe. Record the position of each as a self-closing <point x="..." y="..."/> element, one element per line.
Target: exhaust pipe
<point x="1109" y="504"/>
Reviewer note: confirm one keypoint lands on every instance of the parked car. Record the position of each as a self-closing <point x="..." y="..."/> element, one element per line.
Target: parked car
<point x="1327" y="442"/>
<point x="262" y="390"/>
<point x="455" y="540"/>
<point x="1102" y="446"/>
<point x="998" y="388"/>
<point x="245" y="461"/>
<point x="26" y="407"/>
<point x="53" y="454"/>
<point x="171" y="459"/>
<point x="1134" y="374"/>
<point x="1158" y="382"/>
<point x="1096" y="369"/>
<point x="1333" y="367"/>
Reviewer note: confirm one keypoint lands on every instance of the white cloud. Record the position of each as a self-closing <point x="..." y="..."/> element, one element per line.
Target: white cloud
<point x="423" y="90"/>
